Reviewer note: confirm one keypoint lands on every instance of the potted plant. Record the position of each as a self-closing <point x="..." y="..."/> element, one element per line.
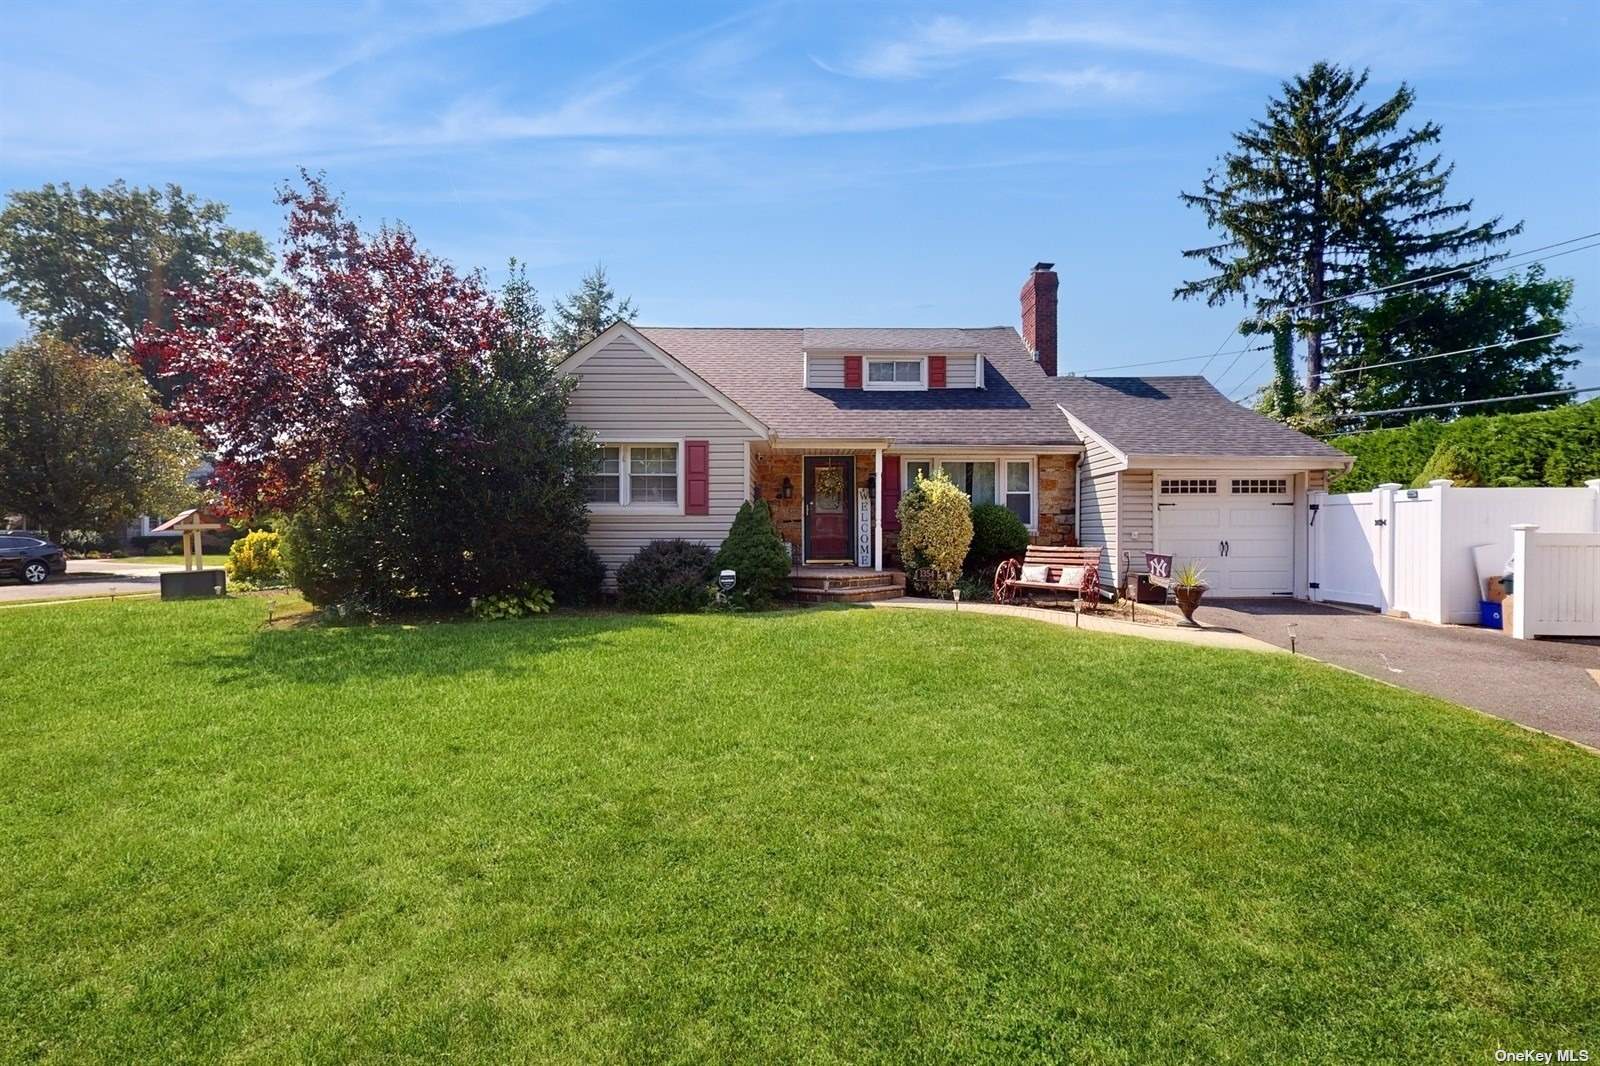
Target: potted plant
<point x="1188" y="585"/>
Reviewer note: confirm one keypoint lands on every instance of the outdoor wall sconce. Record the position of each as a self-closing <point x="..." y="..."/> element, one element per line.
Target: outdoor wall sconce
<point x="872" y="482"/>
<point x="787" y="492"/>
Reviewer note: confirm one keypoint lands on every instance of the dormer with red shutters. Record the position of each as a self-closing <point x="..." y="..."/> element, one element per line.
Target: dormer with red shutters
<point x="921" y="361"/>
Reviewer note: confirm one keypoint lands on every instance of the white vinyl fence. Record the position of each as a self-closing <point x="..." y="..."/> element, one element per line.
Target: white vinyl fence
<point x="1415" y="550"/>
<point x="1556" y="583"/>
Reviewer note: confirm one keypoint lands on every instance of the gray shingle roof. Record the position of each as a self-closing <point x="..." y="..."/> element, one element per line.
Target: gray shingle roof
<point x="760" y="370"/>
<point x="888" y="340"/>
<point x="1179" y="416"/>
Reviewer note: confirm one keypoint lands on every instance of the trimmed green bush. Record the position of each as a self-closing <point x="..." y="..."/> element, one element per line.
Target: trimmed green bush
<point x="256" y="560"/>
<point x="667" y="575"/>
<point x="996" y="534"/>
<point x="1556" y="447"/>
<point x="757" y="554"/>
<point x="1386" y="455"/>
<point x="935" y="530"/>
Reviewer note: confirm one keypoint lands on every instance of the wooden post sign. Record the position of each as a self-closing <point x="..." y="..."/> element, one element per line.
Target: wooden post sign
<point x="195" y="580"/>
<point x="863" y="527"/>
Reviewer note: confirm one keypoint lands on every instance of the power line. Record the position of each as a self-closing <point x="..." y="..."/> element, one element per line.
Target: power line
<point x="1454" y="271"/>
<point x="1251" y="376"/>
<point x="1218" y="352"/>
<point x="1469" y="403"/>
<point x="1442" y="355"/>
<point x="1181" y="359"/>
<point x="1463" y="273"/>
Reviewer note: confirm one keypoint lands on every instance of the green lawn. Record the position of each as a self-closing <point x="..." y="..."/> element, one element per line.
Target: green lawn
<point x="173" y="560"/>
<point x="838" y="835"/>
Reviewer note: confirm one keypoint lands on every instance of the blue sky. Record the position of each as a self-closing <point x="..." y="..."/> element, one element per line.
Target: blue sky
<point x="797" y="163"/>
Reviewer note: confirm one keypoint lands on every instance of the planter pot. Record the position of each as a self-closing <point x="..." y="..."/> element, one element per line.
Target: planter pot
<point x="1188" y="599"/>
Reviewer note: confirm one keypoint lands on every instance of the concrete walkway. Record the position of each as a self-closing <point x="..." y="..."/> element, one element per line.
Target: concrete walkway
<point x="1095" y="623"/>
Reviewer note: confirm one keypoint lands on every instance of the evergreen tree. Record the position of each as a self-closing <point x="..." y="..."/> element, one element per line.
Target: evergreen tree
<point x="1325" y="197"/>
<point x="584" y="314"/>
<point x="520" y="302"/>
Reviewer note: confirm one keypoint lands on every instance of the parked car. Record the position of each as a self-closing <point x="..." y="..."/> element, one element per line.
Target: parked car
<point x="30" y="558"/>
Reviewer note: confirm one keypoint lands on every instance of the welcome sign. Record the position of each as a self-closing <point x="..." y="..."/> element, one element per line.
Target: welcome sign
<point x="863" y="527"/>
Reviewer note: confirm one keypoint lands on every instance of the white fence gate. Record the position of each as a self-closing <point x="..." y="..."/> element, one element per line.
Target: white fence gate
<point x="1346" y="559"/>
<point x="1412" y="551"/>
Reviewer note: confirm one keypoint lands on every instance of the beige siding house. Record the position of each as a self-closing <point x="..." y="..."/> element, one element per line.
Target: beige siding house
<point x="643" y="409"/>
<point x="830" y="425"/>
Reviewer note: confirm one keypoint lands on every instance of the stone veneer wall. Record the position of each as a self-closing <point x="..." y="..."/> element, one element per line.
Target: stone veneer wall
<point x="1057" y="503"/>
<point x="1057" y="499"/>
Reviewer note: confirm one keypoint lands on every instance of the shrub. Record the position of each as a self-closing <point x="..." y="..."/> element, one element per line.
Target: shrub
<point x="529" y="600"/>
<point x="935" y="529"/>
<point x="576" y="582"/>
<point x="755" y="552"/>
<point x="667" y="575"/>
<point x="996" y="534"/>
<point x="1557" y="447"/>
<point x="1384" y="455"/>
<point x="977" y="586"/>
<point x="256" y="560"/>
<point x="84" y="540"/>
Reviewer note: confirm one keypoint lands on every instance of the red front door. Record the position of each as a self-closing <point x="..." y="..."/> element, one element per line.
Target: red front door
<point x="830" y="495"/>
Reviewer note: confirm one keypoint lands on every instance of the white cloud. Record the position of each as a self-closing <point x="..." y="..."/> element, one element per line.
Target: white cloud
<point x="1274" y="40"/>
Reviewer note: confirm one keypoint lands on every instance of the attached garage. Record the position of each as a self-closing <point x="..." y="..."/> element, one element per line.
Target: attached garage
<point x="1241" y="528"/>
<point x="1172" y="467"/>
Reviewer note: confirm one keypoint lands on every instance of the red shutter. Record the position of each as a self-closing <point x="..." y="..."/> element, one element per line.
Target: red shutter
<point x="852" y="371"/>
<point x="891" y="494"/>
<point x="935" y="371"/>
<point x="697" y="475"/>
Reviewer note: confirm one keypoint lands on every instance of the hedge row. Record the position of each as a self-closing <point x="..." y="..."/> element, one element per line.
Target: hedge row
<point x="1556" y="447"/>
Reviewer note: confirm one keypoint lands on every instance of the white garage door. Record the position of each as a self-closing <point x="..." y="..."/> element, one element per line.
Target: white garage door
<point x="1241" y="529"/>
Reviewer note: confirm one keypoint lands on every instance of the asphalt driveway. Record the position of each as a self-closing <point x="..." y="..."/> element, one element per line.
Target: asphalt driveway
<point x="1546" y="684"/>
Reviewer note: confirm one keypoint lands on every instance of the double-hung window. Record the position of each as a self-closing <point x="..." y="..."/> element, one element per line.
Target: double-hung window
<point x="974" y="479"/>
<point x="1008" y="482"/>
<point x="895" y="374"/>
<point x="605" y="484"/>
<point x="636" y="475"/>
<point x="1019" y="490"/>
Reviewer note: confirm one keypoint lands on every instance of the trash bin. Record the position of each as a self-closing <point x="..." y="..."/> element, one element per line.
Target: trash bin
<point x="1489" y="615"/>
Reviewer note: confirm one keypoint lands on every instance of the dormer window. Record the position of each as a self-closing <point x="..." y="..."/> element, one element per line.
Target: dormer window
<point x="906" y="374"/>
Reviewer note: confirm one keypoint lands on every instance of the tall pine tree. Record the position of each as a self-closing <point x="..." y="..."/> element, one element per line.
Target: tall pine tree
<point x="1324" y="197"/>
<point x="584" y="314"/>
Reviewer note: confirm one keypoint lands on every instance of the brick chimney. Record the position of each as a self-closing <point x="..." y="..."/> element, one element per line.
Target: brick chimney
<point x="1039" y="315"/>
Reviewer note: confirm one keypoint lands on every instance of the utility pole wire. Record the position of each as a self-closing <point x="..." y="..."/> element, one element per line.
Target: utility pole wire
<point x="1181" y="359"/>
<point x="1465" y="272"/>
<point x="1442" y="355"/>
<point x="1468" y="403"/>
